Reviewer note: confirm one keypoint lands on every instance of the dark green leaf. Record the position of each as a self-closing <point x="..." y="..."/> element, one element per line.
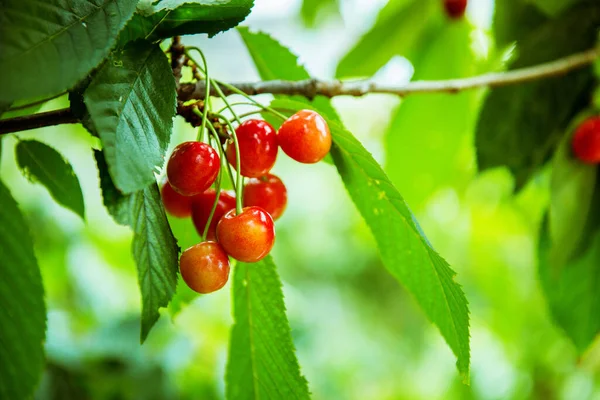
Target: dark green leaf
<point x="262" y="363"/>
<point x="23" y="312"/>
<point x="4" y="105"/>
<point x="520" y="125"/>
<point x="555" y="7"/>
<point x="401" y="29"/>
<point x="413" y="135"/>
<point x="154" y="247"/>
<point x="41" y="163"/>
<point x="514" y="20"/>
<point x="47" y="46"/>
<point x="131" y="101"/>
<point x="171" y="18"/>
<point x="405" y="251"/>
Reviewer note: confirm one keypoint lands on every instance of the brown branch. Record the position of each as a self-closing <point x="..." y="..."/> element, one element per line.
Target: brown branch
<point x="40" y="120"/>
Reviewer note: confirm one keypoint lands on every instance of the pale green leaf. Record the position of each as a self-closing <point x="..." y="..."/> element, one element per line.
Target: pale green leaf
<point x="132" y="101"/>
<point x="23" y="312"/>
<point x="47" y="46"/>
<point x="41" y="163"/>
<point x="262" y="363"/>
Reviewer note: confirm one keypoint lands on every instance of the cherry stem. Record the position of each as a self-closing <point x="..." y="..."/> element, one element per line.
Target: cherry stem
<point x="231" y="178"/>
<point x="217" y="188"/>
<point x="241" y="93"/>
<point x="238" y="182"/>
<point x="208" y="82"/>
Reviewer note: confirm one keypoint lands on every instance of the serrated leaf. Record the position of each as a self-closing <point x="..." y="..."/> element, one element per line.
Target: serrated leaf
<point x="154" y="247"/>
<point x="262" y="363"/>
<point x="41" y="163"/>
<point x="520" y="125"/>
<point x="47" y="46"/>
<point x="401" y="28"/>
<point x="405" y="251"/>
<point x="166" y="19"/>
<point x="414" y="136"/>
<point x="23" y="312"/>
<point x="132" y="101"/>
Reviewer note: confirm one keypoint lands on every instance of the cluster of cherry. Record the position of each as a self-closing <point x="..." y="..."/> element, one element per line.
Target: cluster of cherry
<point x="246" y="234"/>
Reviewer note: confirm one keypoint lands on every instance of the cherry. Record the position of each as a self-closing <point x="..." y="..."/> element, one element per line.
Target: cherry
<point x="267" y="192"/>
<point x="257" y="140"/>
<point x="175" y="204"/>
<point x="192" y="168"/>
<point x="248" y="236"/>
<point x="201" y="207"/>
<point x="305" y="137"/>
<point x="455" y="9"/>
<point x="204" y="267"/>
<point x="586" y="141"/>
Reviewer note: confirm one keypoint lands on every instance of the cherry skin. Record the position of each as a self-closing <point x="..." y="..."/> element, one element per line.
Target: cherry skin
<point x="586" y="141"/>
<point x="305" y="137"/>
<point x="267" y="192"/>
<point x="257" y="140"/>
<point x="175" y="204"/>
<point x="204" y="267"/>
<point x="455" y="9"/>
<point x="192" y="168"/>
<point x="248" y="236"/>
<point x="201" y="207"/>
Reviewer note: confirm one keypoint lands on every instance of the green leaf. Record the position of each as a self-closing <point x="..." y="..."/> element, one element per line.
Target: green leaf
<point x="413" y="136"/>
<point x="401" y="29"/>
<point x="169" y="18"/>
<point x="520" y="125"/>
<point x="132" y="101"/>
<point x="262" y="363"/>
<point x="154" y="247"/>
<point x="41" y="163"/>
<point x="312" y="8"/>
<point x="23" y="312"/>
<point x="514" y="20"/>
<point x="555" y="7"/>
<point x="405" y="251"/>
<point x="47" y="46"/>
<point x="4" y="106"/>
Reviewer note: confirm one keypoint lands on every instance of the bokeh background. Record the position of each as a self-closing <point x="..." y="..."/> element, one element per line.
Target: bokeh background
<point x="359" y="335"/>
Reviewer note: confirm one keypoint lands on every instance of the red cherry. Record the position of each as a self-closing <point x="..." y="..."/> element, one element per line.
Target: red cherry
<point x="257" y="140"/>
<point x="267" y="192"/>
<point x="201" y="206"/>
<point x="586" y="141"/>
<point x="305" y="137"/>
<point x="175" y="204"/>
<point x="248" y="236"/>
<point x="455" y="8"/>
<point x="192" y="168"/>
<point x="204" y="267"/>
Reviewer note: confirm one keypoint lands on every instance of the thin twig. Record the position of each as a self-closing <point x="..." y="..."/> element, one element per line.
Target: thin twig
<point x="40" y="120"/>
<point x="329" y="88"/>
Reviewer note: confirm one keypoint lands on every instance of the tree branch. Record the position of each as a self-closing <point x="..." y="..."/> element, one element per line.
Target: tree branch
<point x="312" y="87"/>
<point x="329" y="88"/>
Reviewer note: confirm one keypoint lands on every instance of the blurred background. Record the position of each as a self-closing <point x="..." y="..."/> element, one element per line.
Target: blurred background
<point x="359" y="335"/>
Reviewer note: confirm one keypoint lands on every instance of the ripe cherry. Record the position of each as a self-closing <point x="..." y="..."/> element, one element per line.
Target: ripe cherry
<point x="305" y="137"/>
<point x="455" y="9"/>
<point x="267" y="192"/>
<point x="257" y="140"/>
<point x="192" y="168"/>
<point x="248" y="236"/>
<point x="201" y="207"/>
<point x="175" y="204"/>
<point x="586" y="141"/>
<point x="204" y="267"/>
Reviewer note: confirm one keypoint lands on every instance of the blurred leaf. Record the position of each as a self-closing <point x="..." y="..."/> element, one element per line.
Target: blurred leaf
<point x="4" y="105"/>
<point x="154" y="247"/>
<point x="62" y="39"/>
<point x="23" y="312"/>
<point x="131" y="101"/>
<point x="43" y="164"/>
<point x="555" y="7"/>
<point x="520" y="125"/>
<point x="425" y="153"/>
<point x="405" y="251"/>
<point x="262" y="362"/>
<point x="311" y="8"/>
<point x="402" y="28"/>
<point x="165" y="19"/>
<point x="514" y="20"/>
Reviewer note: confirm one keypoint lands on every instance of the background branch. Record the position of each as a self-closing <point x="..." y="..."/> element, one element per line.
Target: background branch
<point x="329" y="88"/>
